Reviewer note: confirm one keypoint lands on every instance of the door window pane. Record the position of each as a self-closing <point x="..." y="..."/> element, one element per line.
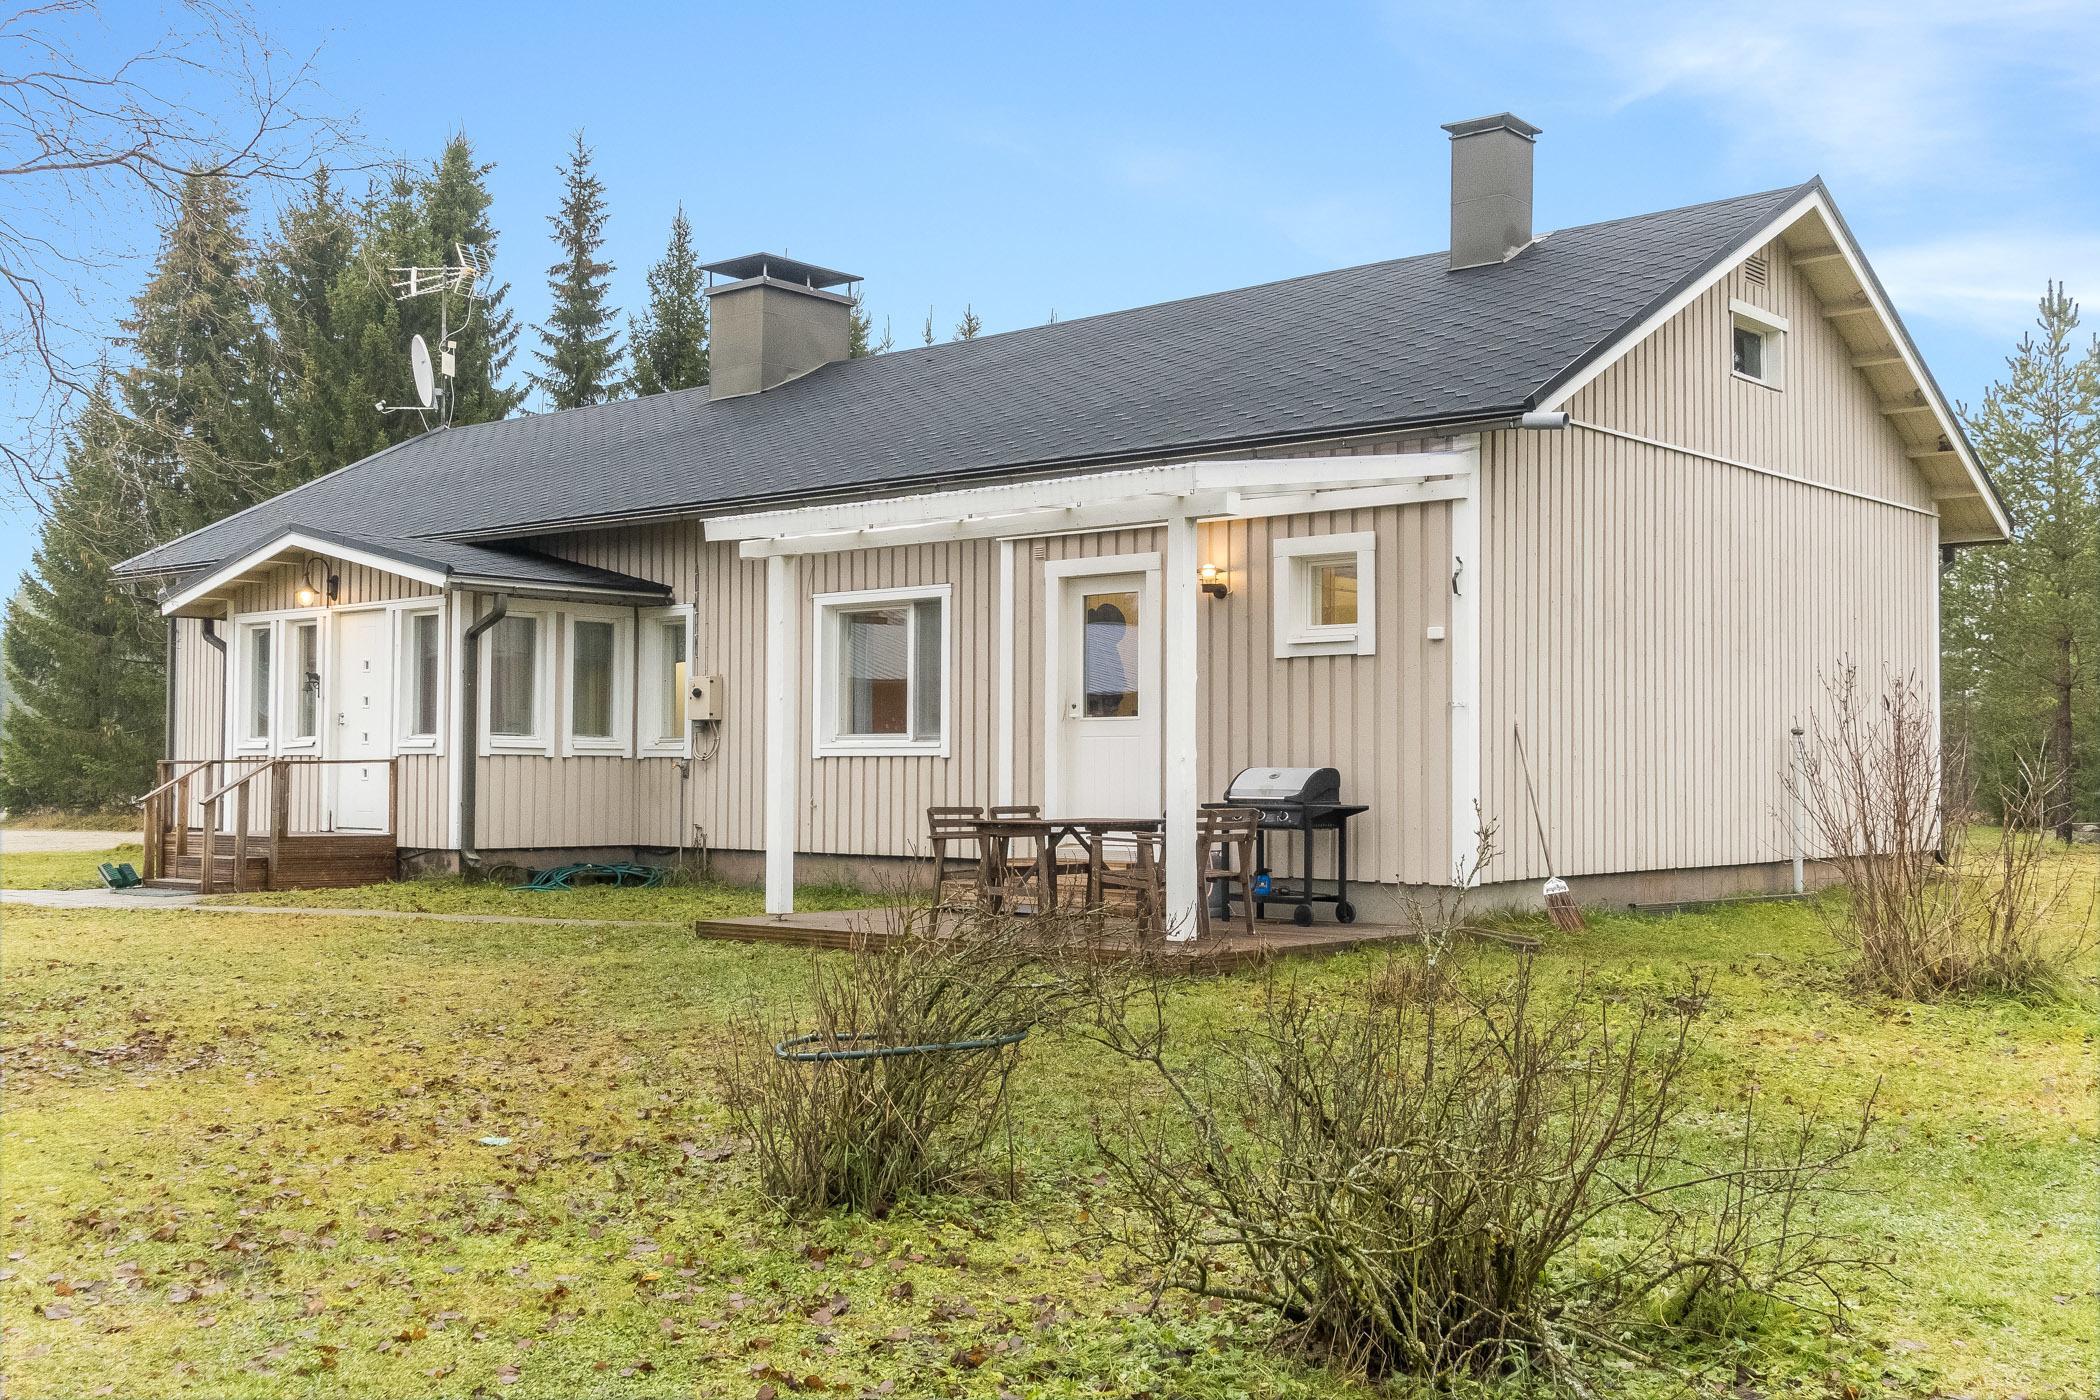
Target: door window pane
<point x="1109" y="653"/>
<point x="671" y="654"/>
<point x="874" y="659"/>
<point x="514" y="645"/>
<point x="591" y="680"/>
<point x="1333" y="593"/>
<point x="258" y="682"/>
<point x="423" y="672"/>
<point x="306" y="674"/>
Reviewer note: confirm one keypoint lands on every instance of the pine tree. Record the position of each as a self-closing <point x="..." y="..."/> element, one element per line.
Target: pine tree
<point x="320" y="424"/>
<point x="668" y="342"/>
<point x="926" y="331"/>
<point x="968" y="327"/>
<point x="2021" y="622"/>
<point x="83" y="654"/>
<point x="455" y="205"/>
<point x="579" y="354"/>
<point x="861" y="341"/>
<point x="198" y="390"/>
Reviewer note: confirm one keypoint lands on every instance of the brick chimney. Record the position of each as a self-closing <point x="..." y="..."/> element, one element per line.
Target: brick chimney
<point x="772" y="320"/>
<point x="1490" y="189"/>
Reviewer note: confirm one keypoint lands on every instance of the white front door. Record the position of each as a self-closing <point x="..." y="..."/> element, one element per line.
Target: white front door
<point x="364" y="719"/>
<point x="1104" y="696"/>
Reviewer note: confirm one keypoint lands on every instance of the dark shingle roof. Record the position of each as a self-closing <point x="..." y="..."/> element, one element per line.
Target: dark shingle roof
<point x="1389" y="344"/>
<point x="463" y="559"/>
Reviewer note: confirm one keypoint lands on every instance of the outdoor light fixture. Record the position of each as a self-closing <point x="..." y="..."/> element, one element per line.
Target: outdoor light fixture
<point x="1212" y="579"/>
<point x="328" y="585"/>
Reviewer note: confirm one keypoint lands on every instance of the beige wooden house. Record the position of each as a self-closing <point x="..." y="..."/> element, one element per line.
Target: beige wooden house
<point x="1632" y="487"/>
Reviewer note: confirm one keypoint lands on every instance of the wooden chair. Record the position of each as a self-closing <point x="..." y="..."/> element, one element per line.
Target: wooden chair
<point x="1142" y="877"/>
<point x="1230" y="831"/>
<point x="957" y="827"/>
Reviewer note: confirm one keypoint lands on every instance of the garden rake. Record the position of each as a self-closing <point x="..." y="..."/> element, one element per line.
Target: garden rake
<point x="1560" y="903"/>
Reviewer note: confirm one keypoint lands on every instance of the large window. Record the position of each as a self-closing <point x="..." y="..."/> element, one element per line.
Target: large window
<point x="1325" y="589"/>
<point x="882" y="671"/>
<point x="514" y="679"/>
<point x="255" y="709"/>
<point x="600" y="683"/>
<point x="422" y="678"/>
<point x="664" y="666"/>
<point x="306" y="682"/>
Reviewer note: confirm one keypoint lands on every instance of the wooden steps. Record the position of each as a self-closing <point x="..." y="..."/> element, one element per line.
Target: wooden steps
<point x="327" y="860"/>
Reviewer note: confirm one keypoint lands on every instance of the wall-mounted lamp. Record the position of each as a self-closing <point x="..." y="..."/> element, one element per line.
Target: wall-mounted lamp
<point x="1212" y="579"/>
<point x="319" y="583"/>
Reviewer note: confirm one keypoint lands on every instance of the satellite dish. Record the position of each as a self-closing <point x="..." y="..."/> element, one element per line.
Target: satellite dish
<point x="419" y="364"/>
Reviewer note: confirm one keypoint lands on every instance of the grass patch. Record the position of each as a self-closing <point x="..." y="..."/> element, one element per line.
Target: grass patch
<point x="61" y="870"/>
<point x="242" y="1156"/>
<point x="449" y="894"/>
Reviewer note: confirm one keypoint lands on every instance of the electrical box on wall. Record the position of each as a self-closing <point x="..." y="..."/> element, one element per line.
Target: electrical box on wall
<point x="703" y="701"/>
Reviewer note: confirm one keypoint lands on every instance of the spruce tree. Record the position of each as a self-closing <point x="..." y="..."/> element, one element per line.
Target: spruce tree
<point x="84" y="654"/>
<point x="2021" y="622"/>
<point x="455" y="206"/>
<point x="320" y="424"/>
<point x="926" y="331"/>
<point x="969" y="326"/>
<point x="579" y="357"/>
<point x="860" y="325"/>
<point x="668" y="342"/>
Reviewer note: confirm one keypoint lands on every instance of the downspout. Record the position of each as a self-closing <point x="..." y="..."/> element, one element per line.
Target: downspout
<point x="469" y="727"/>
<point x="217" y="643"/>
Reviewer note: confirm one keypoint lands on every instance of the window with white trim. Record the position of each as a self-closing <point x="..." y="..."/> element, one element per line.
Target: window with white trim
<point x="305" y="682"/>
<point x="421" y="670"/>
<point x="665" y="659"/>
<point x="1756" y="338"/>
<point x="255" y="690"/>
<point x="597" y="689"/>
<point x="882" y="672"/>
<point x="515" y="705"/>
<point x="1326" y="591"/>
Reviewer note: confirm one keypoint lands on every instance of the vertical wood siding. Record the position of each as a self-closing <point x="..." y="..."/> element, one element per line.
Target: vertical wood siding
<point x="1657" y="621"/>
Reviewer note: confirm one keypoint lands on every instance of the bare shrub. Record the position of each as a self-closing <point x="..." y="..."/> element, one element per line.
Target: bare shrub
<point x="1925" y="914"/>
<point x="1408" y="1183"/>
<point x="852" y="1122"/>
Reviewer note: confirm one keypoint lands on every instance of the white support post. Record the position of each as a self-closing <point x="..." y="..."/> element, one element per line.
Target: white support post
<point x="1003" y="680"/>
<point x="781" y="713"/>
<point x="1178" y="723"/>
<point x="1467" y="579"/>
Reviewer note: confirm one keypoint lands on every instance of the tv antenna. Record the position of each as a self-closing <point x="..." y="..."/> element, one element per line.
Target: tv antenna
<point x="460" y="278"/>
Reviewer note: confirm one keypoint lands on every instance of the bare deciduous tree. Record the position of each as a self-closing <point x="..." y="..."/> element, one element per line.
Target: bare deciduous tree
<point x="88" y="141"/>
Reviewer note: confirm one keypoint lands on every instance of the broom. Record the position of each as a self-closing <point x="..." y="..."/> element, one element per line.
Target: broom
<point x="1560" y="904"/>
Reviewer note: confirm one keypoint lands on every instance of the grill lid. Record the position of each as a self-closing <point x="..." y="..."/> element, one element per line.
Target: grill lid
<point x="1286" y="785"/>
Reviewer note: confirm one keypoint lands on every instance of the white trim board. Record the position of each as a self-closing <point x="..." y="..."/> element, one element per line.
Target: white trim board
<point x="296" y="543"/>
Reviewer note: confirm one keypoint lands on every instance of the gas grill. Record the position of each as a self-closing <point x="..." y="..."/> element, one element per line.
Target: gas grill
<point x="1301" y="800"/>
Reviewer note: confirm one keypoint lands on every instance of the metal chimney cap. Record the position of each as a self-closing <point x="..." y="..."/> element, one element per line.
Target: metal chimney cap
<point x="1501" y="121"/>
<point x="780" y="268"/>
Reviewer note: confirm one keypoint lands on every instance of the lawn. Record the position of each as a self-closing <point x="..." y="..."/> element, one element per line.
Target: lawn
<point x="251" y="1156"/>
<point x="61" y="870"/>
<point x="678" y="903"/>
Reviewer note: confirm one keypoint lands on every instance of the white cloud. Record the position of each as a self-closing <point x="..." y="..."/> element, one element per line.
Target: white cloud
<point x="1990" y="281"/>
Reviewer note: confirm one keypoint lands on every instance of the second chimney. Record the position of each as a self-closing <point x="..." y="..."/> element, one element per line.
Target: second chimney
<point x="776" y="319"/>
<point x="1490" y="189"/>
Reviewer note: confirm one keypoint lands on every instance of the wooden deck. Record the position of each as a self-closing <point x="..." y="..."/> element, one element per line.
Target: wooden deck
<point x="1224" y="951"/>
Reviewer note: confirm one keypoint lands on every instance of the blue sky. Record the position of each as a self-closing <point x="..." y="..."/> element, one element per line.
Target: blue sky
<point x="1083" y="157"/>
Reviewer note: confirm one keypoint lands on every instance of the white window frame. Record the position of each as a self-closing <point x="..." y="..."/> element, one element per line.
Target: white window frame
<point x="541" y="740"/>
<point x="245" y="630"/>
<point x="406" y="740"/>
<point x="653" y="682"/>
<point x="1771" y="329"/>
<point x="288" y="687"/>
<point x="824" y="611"/>
<point x="1291" y="562"/>
<point x="620" y="744"/>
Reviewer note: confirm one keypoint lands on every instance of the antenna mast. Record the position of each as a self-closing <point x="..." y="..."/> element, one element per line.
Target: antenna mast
<point x="462" y="277"/>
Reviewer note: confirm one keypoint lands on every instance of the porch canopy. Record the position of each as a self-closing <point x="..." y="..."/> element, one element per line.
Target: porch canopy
<point x="441" y="564"/>
<point x="1174" y="497"/>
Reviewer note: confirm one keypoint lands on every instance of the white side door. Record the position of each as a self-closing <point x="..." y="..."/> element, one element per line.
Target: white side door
<point x="364" y="718"/>
<point x="1104" y="716"/>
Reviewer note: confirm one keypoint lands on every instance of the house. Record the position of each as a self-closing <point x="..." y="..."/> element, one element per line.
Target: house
<point x="1629" y="488"/>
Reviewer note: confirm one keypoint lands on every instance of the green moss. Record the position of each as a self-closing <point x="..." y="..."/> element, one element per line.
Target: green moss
<point x="251" y="1151"/>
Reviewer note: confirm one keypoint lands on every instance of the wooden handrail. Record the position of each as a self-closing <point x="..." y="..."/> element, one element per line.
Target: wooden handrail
<point x="252" y="773"/>
<point x="142" y="800"/>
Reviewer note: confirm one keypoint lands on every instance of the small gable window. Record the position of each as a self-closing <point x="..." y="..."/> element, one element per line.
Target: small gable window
<point x="1755" y="340"/>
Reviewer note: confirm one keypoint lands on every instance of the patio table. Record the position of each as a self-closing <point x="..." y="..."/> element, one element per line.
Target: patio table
<point x="1090" y="834"/>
